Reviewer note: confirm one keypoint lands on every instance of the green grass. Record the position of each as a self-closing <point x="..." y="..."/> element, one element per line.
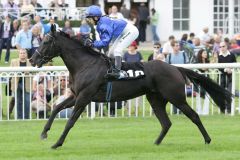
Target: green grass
<point x="126" y="138"/>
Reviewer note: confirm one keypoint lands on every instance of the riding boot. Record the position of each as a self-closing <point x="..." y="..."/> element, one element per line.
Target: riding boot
<point x="117" y="73"/>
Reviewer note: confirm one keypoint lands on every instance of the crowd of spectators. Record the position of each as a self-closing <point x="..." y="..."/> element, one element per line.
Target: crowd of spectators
<point x="201" y="48"/>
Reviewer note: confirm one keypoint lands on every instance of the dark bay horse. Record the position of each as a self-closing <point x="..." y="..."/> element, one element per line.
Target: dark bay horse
<point x="162" y="83"/>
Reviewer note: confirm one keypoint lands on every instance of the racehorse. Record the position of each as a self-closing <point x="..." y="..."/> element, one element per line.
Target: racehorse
<point x="162" y="83"/>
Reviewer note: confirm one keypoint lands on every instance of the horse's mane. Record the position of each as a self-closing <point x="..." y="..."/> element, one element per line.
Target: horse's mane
<point x="79" y="42"/>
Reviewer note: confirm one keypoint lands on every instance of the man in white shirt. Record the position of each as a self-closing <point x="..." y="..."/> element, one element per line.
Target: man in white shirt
<point x="167" y="47"/>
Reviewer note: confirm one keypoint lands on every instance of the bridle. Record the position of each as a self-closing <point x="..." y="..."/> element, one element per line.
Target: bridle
<point x="46" y="58"/>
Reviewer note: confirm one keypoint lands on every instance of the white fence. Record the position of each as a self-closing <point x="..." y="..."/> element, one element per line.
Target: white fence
<point x="55" y="82"/>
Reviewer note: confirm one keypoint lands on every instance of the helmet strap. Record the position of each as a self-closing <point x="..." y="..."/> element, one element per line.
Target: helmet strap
<point x="96" y="19"/>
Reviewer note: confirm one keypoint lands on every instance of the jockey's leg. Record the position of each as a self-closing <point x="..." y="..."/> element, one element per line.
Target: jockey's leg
<point x="129" y="34"/>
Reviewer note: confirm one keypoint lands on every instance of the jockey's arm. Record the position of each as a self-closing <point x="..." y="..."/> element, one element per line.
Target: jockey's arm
<point x="106" y="34"/>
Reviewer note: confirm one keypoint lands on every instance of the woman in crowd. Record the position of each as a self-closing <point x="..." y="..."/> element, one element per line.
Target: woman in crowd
<point x="202" y="57"/>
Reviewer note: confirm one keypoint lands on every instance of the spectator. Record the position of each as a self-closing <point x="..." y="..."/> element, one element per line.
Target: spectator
<point x="41" y="78"/>
<point x="85" y="29"/>
<point x="39" y="23"/>
<point x="68" y="29"/>
<point x="197" y="46"/>
<point x="227" y="41"/>
<point x="6" y="33"/>
<point x="234" y="44"/>
<point x="154" y="22"/>
<point x="188" y="48"/>
<point x="115" y="14"/>
<point x="109" y="11"/>
<point x="36" y="5"/>
<point x="226" y="77"/>
<point x="59" y="88"/>
<point x="39" y="103"/>
<point x="22" y="89"/>
<point x="177" y="57"/>
<point x="132" y="55"/>
<point x="15" y="31"/>
<point x="53" y="3"/>
<point x="204" y="36"/>
<point x="143" y="19"/>
<point x="62" y="4"/>
<point x="183" y="41"/>
<point x="202" y="57"/>
<point x="55" y="9"/>
<point x="167" y="47"/>
<point x="209" y="47"/>
<point x="52" y="21"/>
<point x="157" y="53"/>
<point x="27" y="9"/>
<point x="12" y="9"/>
<point x="125" y="12"/>
<point x="66" y="113"/>
<point x="216" y="45"/>
<point x="24" y="39"/>
<point x="134" y="18"/>
<point x="191" y="37"/>
<point x="36" y="38"/>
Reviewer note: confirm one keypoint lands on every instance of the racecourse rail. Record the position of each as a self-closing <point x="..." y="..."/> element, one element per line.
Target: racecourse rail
<point x="137" y="107"/>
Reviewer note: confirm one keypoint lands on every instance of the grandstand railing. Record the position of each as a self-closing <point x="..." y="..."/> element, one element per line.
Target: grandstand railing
<point x="137" y="107"/>
<point x="60" y="13"/>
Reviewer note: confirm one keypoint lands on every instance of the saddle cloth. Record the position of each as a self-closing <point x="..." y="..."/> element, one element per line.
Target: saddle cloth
<point x="135" y="70"/>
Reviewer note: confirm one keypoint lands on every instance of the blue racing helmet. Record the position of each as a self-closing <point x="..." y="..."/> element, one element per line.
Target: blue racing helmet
<point x="93" y="11"/>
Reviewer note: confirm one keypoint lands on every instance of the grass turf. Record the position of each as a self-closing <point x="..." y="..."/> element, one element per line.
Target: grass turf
<point x="122" y="138"/>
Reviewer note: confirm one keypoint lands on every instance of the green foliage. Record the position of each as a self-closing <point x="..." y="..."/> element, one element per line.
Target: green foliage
<point x="122" y="139"/>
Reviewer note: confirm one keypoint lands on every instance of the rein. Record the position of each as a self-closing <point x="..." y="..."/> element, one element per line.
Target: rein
<point x="44" y="58"/>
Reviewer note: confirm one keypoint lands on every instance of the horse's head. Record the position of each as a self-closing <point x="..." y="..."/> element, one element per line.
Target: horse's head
<point x="47" y="50"/>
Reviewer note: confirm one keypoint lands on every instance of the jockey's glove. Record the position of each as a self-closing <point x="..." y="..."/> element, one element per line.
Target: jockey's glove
<point x="88" y="42"/>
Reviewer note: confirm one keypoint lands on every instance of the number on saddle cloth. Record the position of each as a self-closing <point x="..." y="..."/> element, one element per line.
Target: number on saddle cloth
<point x="134" y="70"/>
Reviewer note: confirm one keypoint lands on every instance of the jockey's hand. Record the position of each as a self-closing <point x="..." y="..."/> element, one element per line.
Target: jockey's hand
<point x="88" y="42"/>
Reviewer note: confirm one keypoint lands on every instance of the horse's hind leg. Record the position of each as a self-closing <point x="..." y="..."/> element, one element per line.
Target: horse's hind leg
<point x="69" y="102"/>
<point x="191" y="114"/>
<point x="158" y="104"/>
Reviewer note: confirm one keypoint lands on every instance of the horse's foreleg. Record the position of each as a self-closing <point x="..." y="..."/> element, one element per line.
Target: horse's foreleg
<point x="159" y="107"/>
<point x="75" y="115"/>
<point x="69" y="102"/>
<point x="191" y="114"/>
<point x="80" y="104"/>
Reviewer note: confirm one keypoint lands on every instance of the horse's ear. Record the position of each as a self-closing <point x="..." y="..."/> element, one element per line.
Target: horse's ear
<point x="53" y="28"/>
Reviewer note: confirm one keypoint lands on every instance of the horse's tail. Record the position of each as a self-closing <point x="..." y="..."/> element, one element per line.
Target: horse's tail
<point x="220" y="96"/>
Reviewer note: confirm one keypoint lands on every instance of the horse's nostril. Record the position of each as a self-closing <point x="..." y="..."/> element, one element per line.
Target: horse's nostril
<point x="30" y="60"/>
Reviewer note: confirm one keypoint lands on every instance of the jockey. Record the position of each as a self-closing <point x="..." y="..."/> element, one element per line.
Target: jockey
<point x="119" y="31"/>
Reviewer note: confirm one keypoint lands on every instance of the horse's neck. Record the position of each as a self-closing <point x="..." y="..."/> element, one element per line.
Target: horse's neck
<point x="75" y="59"/>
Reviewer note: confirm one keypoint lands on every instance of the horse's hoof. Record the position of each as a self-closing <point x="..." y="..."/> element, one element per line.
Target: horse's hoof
<point x="208" y="141"/>
<point x="44" y="136"/>
<point x="157" y="143"/>
<point x="55" y="146"/>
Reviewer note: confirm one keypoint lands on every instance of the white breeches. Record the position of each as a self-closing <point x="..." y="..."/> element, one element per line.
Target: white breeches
<point x="129" y="34"/>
